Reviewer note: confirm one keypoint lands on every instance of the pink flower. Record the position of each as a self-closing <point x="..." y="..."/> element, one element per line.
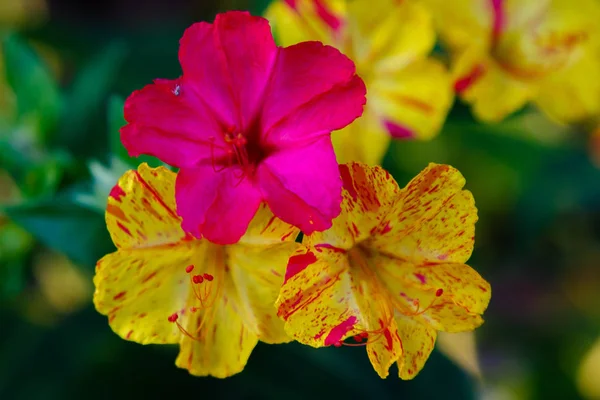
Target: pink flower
<point x="248" y="122"/>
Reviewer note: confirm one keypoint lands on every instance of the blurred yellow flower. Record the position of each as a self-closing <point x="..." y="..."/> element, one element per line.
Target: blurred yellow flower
<point x="588" y="375"/>
<point x="64" y="286"/>
<point x="390" y="272"/>
<point x="506" y="53"/>
<point x="22" y="12"/>
<point x="408" y="93"/>
<point x="163" y="286"/>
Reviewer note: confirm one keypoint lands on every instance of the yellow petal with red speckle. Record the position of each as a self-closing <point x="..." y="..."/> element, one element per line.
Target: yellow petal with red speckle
<point x="418" y="340"/>
<point x="315" y="300"/>
<point x="304" y="20"/>
<point x="413" y="101"/>
<point x="222" y="342"/>
<point x="386" y="35"/>
<point x="141" y="209"/>
<point x="367" y="194"/>
<point x="138" y="290"/>
<point x="433" y="221"/>
<point x="258" y="273"/>
<point x="330" y="295"/>
<point x="266" y="229"/>
<point x="383" y="343"/>
<point x="462" y="286"/>
<point x="492" y="90"/>
<point x="448" y="297"/>
<point x="140" y="285"/>
<point x="163" y="286"/>
<point x="389" y="268"/>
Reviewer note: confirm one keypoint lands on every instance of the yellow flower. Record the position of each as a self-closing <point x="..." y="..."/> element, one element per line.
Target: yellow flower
<point x="163" y="286"/>
<point x="390" y="273"/>
<point x="408" y="93"/>
<point x="507" y="53"/>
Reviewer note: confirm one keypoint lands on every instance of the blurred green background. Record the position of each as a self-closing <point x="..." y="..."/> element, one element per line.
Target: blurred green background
<point x="66" y="67"/>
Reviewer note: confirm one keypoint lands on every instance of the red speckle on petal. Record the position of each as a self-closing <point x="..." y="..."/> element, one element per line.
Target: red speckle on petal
<point x="123" y="228"/>
<point x="386" y="228"/>
<point x="466" y="81"/>
<point x="128" y="334"/>
<point x="388" y="338"/>
<point x="398" y="131"/>
<point x="499" y="19"/>
<point x="298" y="263"/>
<point x="421" y="278"/>
<point x="119" y="296"/>
<point x="327" y="16"/>
<point x="348" y="182"/>
<point x="330" y="247"/>
<point x="117" y="192"/>
<point x="150" y="276"/>
<point x="338" y="332"/>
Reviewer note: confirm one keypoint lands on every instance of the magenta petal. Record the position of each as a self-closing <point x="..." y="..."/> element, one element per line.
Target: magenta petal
<point x="165" y="121"/>
<point x="215" y="205"/>
<point x="230" y="63"/>
<point x="320" y="116"/>
<point x="302" y="186"/>
<point x="303" y="72"/>
<point x="398" y="131"/>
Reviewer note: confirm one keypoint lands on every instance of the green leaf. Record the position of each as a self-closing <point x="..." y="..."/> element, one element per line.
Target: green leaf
<point x="88" y="94"/>
<point x="37" y="171"/>
<point x="257" y="7"/>
<point x="67" y="227"/>
<point x="103" y="179"/>
<point x="116" y="121"/>
<point x="35" y="89"/>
